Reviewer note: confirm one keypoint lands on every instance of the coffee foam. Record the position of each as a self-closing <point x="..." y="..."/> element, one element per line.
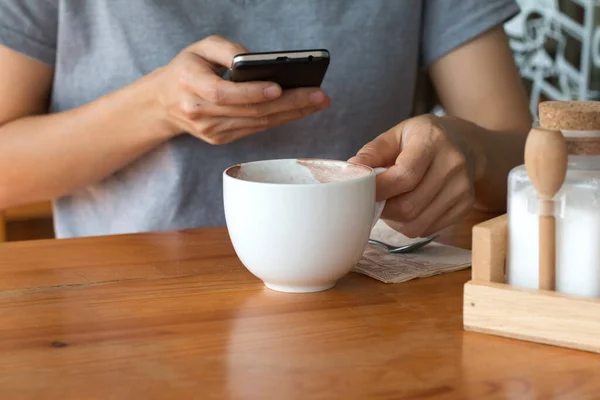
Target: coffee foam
<point x="298" y="172"/>
<point x="324" y="171"/>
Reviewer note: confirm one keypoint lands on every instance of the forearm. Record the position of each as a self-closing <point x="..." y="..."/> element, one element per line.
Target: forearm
<point x="492" y="154"/>
<point x="42" y="157"/>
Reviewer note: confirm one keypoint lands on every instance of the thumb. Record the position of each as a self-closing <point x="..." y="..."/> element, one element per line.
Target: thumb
<point x="380" y="152"/>
<point x="217" y="50"/>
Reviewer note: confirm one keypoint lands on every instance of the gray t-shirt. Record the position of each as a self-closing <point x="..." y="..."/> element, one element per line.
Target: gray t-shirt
<point x="98" y="46"/>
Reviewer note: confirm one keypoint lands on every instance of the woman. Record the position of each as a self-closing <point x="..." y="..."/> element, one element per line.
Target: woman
<point x="116" y="109"/>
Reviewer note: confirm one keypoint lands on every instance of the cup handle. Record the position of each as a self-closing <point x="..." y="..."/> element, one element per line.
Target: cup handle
<point x="380" y="204"/>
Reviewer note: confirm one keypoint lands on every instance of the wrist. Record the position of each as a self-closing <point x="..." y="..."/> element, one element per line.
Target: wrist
<point x="470" y="139"/>
<point x="145" y="95"/>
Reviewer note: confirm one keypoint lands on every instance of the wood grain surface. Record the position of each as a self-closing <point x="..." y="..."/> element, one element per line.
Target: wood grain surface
<point x="174" y="315"/>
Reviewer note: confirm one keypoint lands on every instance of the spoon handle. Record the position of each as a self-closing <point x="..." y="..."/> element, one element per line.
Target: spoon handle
<point x="547" y="266"/>
<point x="378" y="243"/>
<point x="413" y="246"/>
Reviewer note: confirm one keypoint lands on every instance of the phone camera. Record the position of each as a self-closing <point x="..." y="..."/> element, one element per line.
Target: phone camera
<point x="310" y="58"/>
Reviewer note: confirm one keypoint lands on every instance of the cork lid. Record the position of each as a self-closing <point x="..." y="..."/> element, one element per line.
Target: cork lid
<point x="570" y="115"/>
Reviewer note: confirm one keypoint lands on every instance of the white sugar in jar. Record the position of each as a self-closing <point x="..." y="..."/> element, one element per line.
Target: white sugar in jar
<point x="577" y="207"/>
<point x="578" y="230"/>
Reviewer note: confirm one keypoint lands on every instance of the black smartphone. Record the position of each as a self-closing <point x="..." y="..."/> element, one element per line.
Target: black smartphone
<point x="289" y="69"/>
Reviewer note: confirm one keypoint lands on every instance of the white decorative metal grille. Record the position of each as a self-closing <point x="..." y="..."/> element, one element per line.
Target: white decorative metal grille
<point x="556" y="44"/>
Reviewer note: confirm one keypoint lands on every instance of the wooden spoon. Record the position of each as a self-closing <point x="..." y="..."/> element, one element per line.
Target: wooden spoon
<point x="546" y="165"/>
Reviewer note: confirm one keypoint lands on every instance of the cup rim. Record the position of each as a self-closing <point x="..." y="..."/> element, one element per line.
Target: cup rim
<point x="227" y="171"/>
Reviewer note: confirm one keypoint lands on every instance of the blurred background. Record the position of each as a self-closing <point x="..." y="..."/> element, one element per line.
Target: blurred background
<point x="556" y="45"/>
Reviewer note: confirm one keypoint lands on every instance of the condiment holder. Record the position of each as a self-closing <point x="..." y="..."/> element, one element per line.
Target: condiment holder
<point x="536" y="269"/>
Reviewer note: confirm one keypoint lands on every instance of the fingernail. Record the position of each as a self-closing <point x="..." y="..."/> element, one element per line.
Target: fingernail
<point x="317" y="97"/>
<point x="272" y="92"/>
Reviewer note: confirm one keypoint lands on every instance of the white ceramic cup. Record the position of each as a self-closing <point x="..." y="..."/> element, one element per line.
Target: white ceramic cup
<point x="299" y="225"/>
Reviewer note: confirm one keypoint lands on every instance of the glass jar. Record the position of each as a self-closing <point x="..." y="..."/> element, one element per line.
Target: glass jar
<point x="577" y="213"/>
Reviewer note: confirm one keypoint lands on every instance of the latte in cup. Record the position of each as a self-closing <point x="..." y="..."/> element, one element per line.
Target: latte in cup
<point x="300" y="225"/>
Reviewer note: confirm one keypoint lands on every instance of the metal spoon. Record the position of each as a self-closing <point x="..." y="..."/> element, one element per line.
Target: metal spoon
<point x="407" y="248"/>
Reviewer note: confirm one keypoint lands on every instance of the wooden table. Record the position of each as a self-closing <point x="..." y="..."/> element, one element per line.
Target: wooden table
<point x="26" y="221"/>
<point x="174" y="315"/>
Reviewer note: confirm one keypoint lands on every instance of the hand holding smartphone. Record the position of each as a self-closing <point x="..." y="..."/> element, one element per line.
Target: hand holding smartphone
<point x="290" y="69"/>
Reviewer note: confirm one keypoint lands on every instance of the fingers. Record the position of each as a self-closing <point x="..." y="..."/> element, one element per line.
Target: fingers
<point x="450" y="217"/>
<point x="217" y="50"/>
<point x="268" y="121"/>
<point x="227" y="126"/>
<point x="221" y="92"/>
<point x="214" y="52"/>
<point x="456" y="192"/>
<point x="408" y="206"/>
<point x="194" y="107"/>
<point x="408" y="150"/>
<point x="448" y="163"/>
<point x="271" y="121"/>
<point x="412" y="164"/>
<point x="223" y="130"/>
<point x="200" y="102"/>
<point x="293" y="99"/>
<point x="427" y="183"/>
<point x="196" y="75"/>
<point x="381" y="151"/>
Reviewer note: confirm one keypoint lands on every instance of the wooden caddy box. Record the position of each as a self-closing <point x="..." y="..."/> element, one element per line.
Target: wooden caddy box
<point x="493" y="307"/>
